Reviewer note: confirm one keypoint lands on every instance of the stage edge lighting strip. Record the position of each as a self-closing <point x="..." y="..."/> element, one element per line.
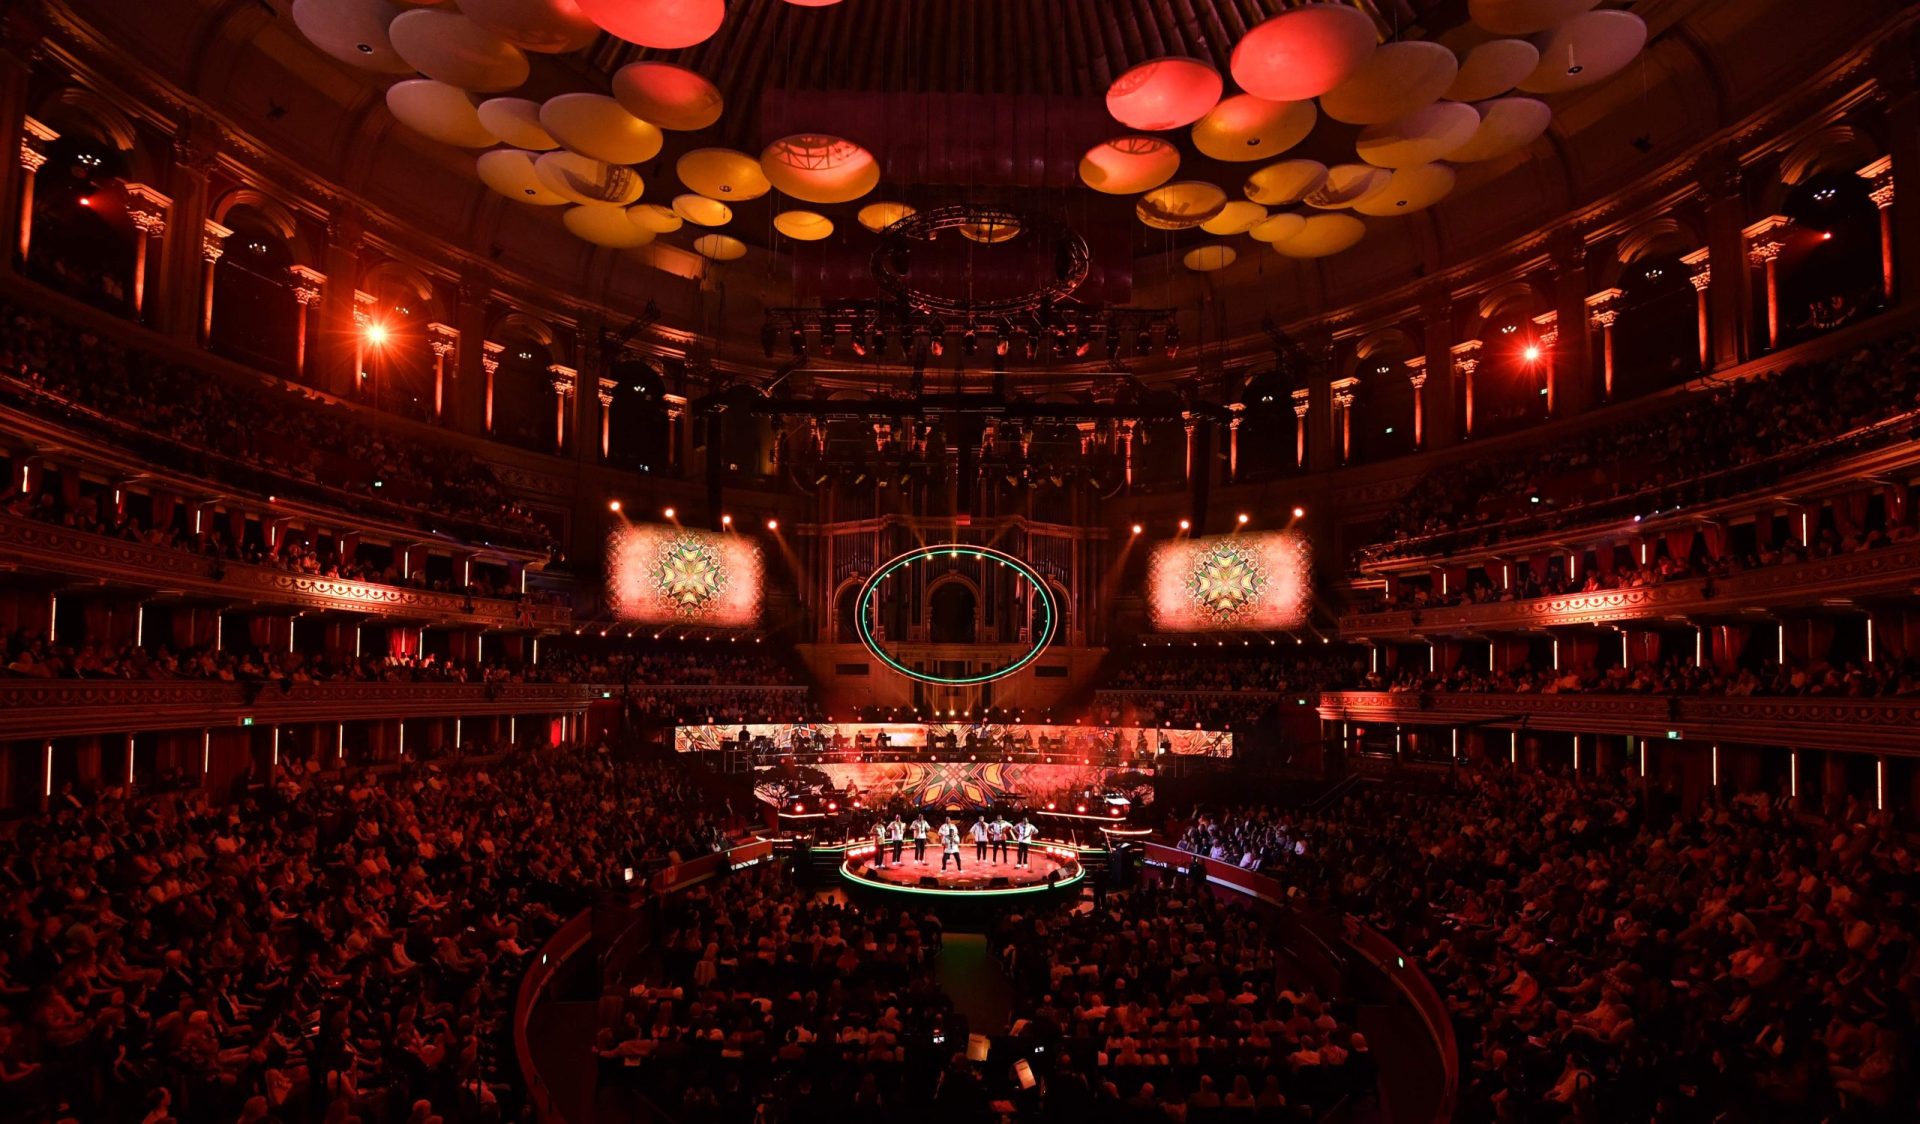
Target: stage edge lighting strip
<point x="863" y="615"/>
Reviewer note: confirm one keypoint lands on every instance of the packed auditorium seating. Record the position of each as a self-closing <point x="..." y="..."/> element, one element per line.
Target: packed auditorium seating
<point x="285" y="438"/>
<point x="340" y="946"/>
<point x="1724" y="441"/>
<point x="1608" y="956"/>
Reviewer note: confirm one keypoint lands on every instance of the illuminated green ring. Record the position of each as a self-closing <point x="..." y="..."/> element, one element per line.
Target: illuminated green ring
<point x="863" y="616"/>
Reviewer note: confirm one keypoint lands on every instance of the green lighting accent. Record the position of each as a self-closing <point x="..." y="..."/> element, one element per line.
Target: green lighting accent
<point x="847" y="873"/>
<point x="863" y="615"/>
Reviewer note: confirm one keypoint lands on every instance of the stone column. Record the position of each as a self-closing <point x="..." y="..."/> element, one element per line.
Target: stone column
<point x="213" y="243"/>
<point x="308" y="287"/>
<point x="444" y="340"/>
<point x="490" y="366"/>
<point x="1417" y="375"/>
<point x="332" y="343"/>
<point x="1603" y="308"/>
<point x="563" y="380"/>
<point x="1238" y="410"/>
<point x="1436" y="314"/>
<point x="606" y="417"/>
<point x="34" y="139"/>
<point x="1879" y="177"/>
<point x="147" y="209"/>
<point x="678" y="419"/>
<point x="362" y="329"/>
<point x="1573" y="363"/>
<point x="1341" y="394"/>
<point x="1700" y="276"/>
<point x="1764" y="242"/>
<point x="1301" y="404"/>
<point x="1466" y="360"/>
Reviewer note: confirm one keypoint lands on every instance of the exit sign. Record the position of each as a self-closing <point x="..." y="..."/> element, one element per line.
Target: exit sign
<point x="247" y="720"/>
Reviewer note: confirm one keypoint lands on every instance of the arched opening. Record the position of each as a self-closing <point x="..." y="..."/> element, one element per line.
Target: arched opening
<point x="846" y="623"/>
<point x="1382" y="424"/>
<point x="1267" y="435"/>
<point x="1829" y="271"/>
<point x="1655" y="342"/>
<point x="1062" y="603"/>
<point x="523" y="397"/>
<point x="1509" y="388"/>
<point x="255" y="315"/>
<point x="638" y="437"/>
<point x="953" y="613"/>
<point x="82" y="237"/>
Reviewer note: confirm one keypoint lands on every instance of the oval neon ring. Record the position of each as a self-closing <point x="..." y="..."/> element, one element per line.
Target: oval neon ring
<point x="863" y="609"/>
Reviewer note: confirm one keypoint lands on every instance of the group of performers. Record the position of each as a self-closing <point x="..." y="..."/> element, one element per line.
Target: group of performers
<point x="988" y="836"/>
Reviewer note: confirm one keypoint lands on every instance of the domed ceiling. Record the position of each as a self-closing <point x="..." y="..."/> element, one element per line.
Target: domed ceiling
<point x="1233" y="127"/>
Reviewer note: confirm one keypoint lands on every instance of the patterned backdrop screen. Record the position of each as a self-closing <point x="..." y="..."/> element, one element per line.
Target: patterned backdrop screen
<point x="1229" y="582"/>
<point x="659" y="574"/>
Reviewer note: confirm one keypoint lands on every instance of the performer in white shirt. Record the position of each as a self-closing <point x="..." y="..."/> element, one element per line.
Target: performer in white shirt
<point x="950" y="845"/>
<point x="920" y="830"/>
<point x="879" y="842"/>
<point x="981" y="832"/>
<point x="897" y="832"/>
<point x="1023" y="833"/>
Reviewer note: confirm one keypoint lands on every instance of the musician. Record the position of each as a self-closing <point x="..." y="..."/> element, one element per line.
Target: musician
<point x="980" y="833"/>
<point x="880" y="842"/>
<point x="897" y="833"/>
<point x="998" y="831"/>
<point x="920" y="829"/>
<point x="950" y="845"/>
<point x="1023" y="833"/>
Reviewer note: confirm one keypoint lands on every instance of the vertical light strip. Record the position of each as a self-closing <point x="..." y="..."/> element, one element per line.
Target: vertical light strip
<point x="1793" y="773"/>
<point x="1396" y="741"/>
<point x="339" y="740"/>
<point x="1879" y="782"/>
<point x="48" y="770"/>
<point x="403" y="737"/>
<point x="356" y="641"/>
<point x="536" y="651"/>
<point x="1624" y="659"/>
<point x="1869" y="639"/>
<point x="1431" y="658"/>
<point x="479" y="647"/>
<point x="140" y="628"/>
<point x="1781" y="659"/>
<point x="206" y="751"/>
<point x="53" y="618"/>
<point x="276" y="747"/>
<point x="456" y="733"/>
<point x="1699" y="646"/>
<point x="1643" y="755"/>
<point x="1456" y="743"/>
<point x="513" y="729"/>
<point x="1373" y="654"/>
<point x="1556" y="653"/>
<point x="1513" y="748"/>
<point x="129" y="758"/>
<point x="219" y="631"/>
<point x="1716" y="766"/>
<point x="1576" y="753"/>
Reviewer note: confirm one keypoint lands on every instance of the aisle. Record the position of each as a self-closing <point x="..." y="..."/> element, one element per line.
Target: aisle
<point x="971" y="978"/>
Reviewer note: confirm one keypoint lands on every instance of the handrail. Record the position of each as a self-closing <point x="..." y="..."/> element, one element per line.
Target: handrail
<point x="1370" y="945"/>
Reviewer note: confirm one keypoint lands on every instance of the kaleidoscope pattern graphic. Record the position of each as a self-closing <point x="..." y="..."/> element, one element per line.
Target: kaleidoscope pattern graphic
<point x="1225" y="581"/>
<point x="689" y="576"/>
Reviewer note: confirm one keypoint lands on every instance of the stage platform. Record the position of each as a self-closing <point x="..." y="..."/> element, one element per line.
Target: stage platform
<point x="1051" y="867"/>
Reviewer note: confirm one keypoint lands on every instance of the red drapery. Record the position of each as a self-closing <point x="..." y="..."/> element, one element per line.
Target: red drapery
<point x="1729" y="642"/>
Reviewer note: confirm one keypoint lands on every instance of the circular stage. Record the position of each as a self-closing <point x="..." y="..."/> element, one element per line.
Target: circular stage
<point x="1050" y="867"/>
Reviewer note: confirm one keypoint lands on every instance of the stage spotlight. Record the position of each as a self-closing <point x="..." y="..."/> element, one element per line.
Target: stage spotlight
<point x="1186" y="525"/>
<point x="1243" y="518"/>
<point x="1299" y="512"/>
<point x="613" y="505"/>
<point x="773" y="524"/>
<point x="1137" y="528"/>
<point x="726" y="520"/>
<point x="376" y="333"/>
<point x="1532" y="353"/>
<point x="668" y="513"/>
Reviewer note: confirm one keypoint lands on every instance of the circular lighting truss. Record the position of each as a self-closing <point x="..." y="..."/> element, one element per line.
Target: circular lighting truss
<point x="893" y="257"/>
<point x="863" y="610"/>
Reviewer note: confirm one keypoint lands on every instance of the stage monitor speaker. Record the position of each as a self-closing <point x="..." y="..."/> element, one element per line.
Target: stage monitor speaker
<point x="1000" y="882"/>
<point x="930" y="882"/>
<point x="873" y="875"/>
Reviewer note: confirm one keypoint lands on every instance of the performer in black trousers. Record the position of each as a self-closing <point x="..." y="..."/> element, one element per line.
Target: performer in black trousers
<point x="980" y="833"/>
<point x="950" y="845"/>
<point x="897" y="832"/>
<point x="920" y="829"/>
<point x="1023" y="834"/>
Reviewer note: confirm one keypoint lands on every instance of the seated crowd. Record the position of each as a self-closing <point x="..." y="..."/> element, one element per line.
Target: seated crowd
<point x="1877" y="678"/>
<point x="1696" y="449"/>
<point x="183" y="419"/>
<point x="1754" y="962"/>
<point x="1169" y="1003"/>
<point x="1215" y="687"/>
<point x="772" y="1003"/>
<point x="332" y="948"/>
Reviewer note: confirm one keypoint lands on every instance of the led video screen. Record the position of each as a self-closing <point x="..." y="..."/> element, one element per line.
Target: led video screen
<point x="1229" y="583"/>
<point x="659" y="574"/>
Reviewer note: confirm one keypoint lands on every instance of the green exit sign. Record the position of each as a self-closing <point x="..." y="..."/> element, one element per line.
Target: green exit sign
<point x="1673" y="735"/>
<point x="247" y="720"/>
